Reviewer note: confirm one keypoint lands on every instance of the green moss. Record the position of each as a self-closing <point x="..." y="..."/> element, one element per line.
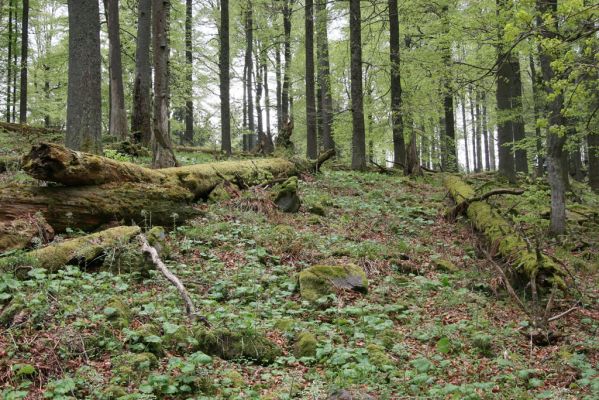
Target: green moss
<point x="218" y="194"/>
<point x="285" y="195"/>
<point x="117" y="312"/>
<point x="232" y="378"/>
<point x="378" y="356"/>
<point x="133" y="366"/>
<point x="235" y="345"/>
<point x="285" y="324"/>
<point x="445" y="265"/>
<point x="305" y="345"/>
<point x="317" y="209"/>
<point x="321" y="280"/>
<point x="113" y="392"/>
<point x="9" y="312"/>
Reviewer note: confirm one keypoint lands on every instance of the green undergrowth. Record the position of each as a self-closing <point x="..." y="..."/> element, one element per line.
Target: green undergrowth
<point x="423" y="329"/>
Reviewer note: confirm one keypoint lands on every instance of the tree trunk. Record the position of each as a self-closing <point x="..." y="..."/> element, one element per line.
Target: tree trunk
<point x="465" y="127"/>
<point x="449" y="144"/>
<point x="118" y="115"/>
<point x="279" y="87"/>
<point x="189" y="75"/>
<point x="84" y="102"/>
<point x="399" y="146"/>
<point x="259" y="86"/>
<point x="24" y="58"/>
<point x="324" y="75"/>
<point x="475" y="142"/>
<point x="285" y="100"/>
<point x="359" y="134"/>
<point x="521" y="160"/>
<point x="311" y="139"/>
<point x="536" y="84"/>
<point x="141" y="118"/>
<point x="225" y="102"/>
<point x="593" y="148"/>
<point x="9" y="60"/>
<point x="249" y="43"/>
<point x="555" y="141"/>
<point x="505" y="123"/>
<point x="412" y="166"/>
<point x="486" y="132"/>
<point x="479" y="147"/>
<point x="268" y="145"/>
<point x="162" y="154"/>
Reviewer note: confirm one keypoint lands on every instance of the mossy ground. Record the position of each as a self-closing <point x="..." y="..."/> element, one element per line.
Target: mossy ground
<point x="418" y="333"/>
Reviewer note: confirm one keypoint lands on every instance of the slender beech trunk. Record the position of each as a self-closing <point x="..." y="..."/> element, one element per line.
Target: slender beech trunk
<point x="359" y="134"/>
<point x="324" y="74"/>
<point x="15" y="43"/>
<point x="162" y="154"/>
<point x="554" y="104"/>
<point x="189" y="72"/>
<point x="269" y="147"/>
<point x="259" y="86"/>
<point x="141" y="117"/>
<point x="84" y="101"/>
<point x="475" y="152"/>
<point x="399" y="146"/>
<point x="279" y="87"/>
<point x="465" y="127"/>
<point x="249" y="40"/>
<point x="485" y="132"/>
<point x="311" y="139"/>
<point x="479" y="147"/>
<point x="285" y="98"/>
<point x="118" y="115"/>
<point x="536" y="85"/>
<point x="449" y="146"/>
<point x="225" y="102"/>
<point x="9" y="60"/>
<point x="521" y="159"/>
<point x="24" y="57"/>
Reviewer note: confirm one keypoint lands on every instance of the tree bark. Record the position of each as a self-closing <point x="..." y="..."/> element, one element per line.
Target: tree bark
<point x="311" y="137"/>
<point x="505" y="123"/>
<point x="324" y="74"/>
<point x="536" y="85"/>
<point x="475" y="152"/>
<point x="487" y="142"/>
<point x="189" y="75"/>
<point x="118" y="115"/>
<point x="141" y="118"/>
<point x="24" y="58"/>
<point x="279" y="86"/>
<point x="593" y="147"/>
<point x="84" y="102"/>
<point x="478" y="124"/>
<point x="225" y="101"/>
<point x="249" y="46"/>
<point x="465" y="127"/>
<point x="162" y="154"/>
<point x="9" y="60"/>
<point x="555" y="141"/>
<point x="285" y="100"/>
<point x="521" y="159"/>
<point x="359" y="134"/>
<point x="399" y="147"/>
<point x="449" y="145"/>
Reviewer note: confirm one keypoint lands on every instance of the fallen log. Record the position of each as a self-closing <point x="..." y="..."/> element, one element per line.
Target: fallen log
<point x="81" y="251"/>
<point x="90" y="207"/>
<point x="501" y="235"/>
<point x="20" y="233"/>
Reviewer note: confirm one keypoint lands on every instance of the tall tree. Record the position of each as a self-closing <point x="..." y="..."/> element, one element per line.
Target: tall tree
<point x="311" y="139"/>
<point x="162" y="154"/>
<point x="324" y="75"/>
<point x="479" y="147"/>
<point x="9" y="59"/>
<point x="536" y="80"/>
<point x="249" y="45"/>
<point x="141" y="115"/>
<point x="555" y="100"/>
<point x="485" y="133"/>
<point x="84" y="102"/>
<point x="399" y="147"/>
<point x="118" y="115"/>
<point x="465" y="129"/>
<point x="189" y="76"/>
<point x="449" y="153"/>
<point x="285" y="98"/>
<point x="225" y="102"/>
<point x="357" y="106"/>
<point x="24" y="58"/>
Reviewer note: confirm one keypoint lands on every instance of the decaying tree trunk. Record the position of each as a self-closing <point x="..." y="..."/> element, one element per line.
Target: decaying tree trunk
<point x="501" y="235"/>
<point x="79" y="251"/>
<point x="90" y="207"/>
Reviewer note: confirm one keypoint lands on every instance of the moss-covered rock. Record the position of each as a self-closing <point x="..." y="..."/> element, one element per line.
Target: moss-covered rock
<point x="235" y="345"/>
<point x="117" y="312"/>
<point x="9" y="312"/>
<point x="321" y="280"/>
<point x="285" y="196"/>
<point x="133" y="366"/>
<point x="113" y="392"/>
<point x="378" y="356"/>
<point x="147" y="335"/>
<point x="305" y="345"/>
<point x="317" y="209"/>
<point x="445" y="265"/>
<point x="285" y="324"/>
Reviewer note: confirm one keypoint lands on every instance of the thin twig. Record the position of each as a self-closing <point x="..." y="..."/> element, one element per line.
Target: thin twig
<point x="155" y="258"/>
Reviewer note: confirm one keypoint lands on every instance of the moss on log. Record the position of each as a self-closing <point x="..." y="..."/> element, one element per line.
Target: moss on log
<point x="56" y="163"/>
<point x="90" y="207"/>
<point x="79" y="251"/>
<point x="21" y="233"/>
<point x="497" y="230"/>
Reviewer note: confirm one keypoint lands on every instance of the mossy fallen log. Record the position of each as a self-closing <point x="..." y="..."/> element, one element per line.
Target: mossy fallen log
<point x="20" y="233"/>
<point x="90" y="207"/>
<point x="502" y="236"/>
<point x="56" y="163"/>
<point x="80" y="251"/>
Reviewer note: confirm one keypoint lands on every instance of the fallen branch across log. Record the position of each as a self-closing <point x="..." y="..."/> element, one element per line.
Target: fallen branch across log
<point x="500" y="234"/>
<point x="80" y="251"/>
<point x="422" y="167"/>
<point x="462" y="206"/>
<point x="152" y="254"/>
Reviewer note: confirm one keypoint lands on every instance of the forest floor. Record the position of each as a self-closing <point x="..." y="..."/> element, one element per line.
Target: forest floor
<point x="421" y="331"/>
